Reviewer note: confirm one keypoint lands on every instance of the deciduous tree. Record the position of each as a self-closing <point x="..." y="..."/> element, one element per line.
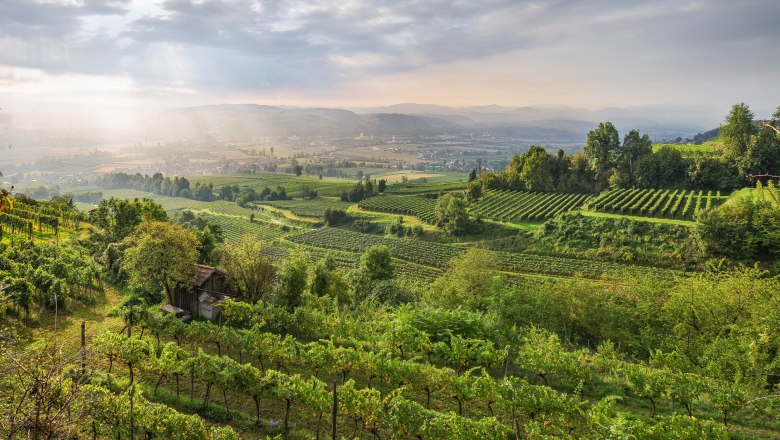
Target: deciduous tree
<point x="159" y="256"/>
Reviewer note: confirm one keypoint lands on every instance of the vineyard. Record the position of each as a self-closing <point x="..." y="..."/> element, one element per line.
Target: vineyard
<point x="308" y="208"/>
<point x="329" y="187"/>
<point x="580" y="268"/>
<point x="24" y="220"/>
<point x="424" y="188"/>
<point x="420" y="207"/>
<point x="671" y="204"/>
<point x="516" y="206"/>
<point x="416" y="251"/>
<point x="413" y="272"/>
<point x="439" y="255"/>
<point x="237" y="228"/>
<point x="394" y="377"/>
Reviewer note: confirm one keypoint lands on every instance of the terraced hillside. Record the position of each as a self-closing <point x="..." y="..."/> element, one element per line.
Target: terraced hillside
<point x="308" y="208"/>
<point x="517" y="206"/>
<point x="439" y="255"/>
<point x="421" y="207"/>
<point x="424" y="188"/>
<point x="667" y="203"/>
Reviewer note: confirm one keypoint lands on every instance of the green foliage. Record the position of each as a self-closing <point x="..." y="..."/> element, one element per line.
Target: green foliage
<point x="602" y="149"/>
<point x="117" y="218"/>
<point x="160" y="256"/>
<point x="538" y="170"/>
<point x="250" y="270"/>
<point x="333" y="217"/>
<point x="293" y="280"/>
<point x="451" y="215"/>
<point x="618" y="239"/>
<point x="466" y="281"/>
<point x="744" y="229"/>
<point x="666" y="168"/>
<point x="377" y="263"/>
<point x="736" y="133"/>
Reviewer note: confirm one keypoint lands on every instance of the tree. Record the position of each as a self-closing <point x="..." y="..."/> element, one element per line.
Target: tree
<point x="451" y="215"/>
<point x="634" y="147"/>
<point x="473" y="174"/>
<point x="381" y="186"/>
<point x="208" y="239"/>
<point x="736" y="134"/>
<point x="474" y="191"/>
<point x="321" y="276"/>
<point x="745" y="228"/>
<point x="118" y="217"/>
<point x="467" y="281"/>
<point x="333" y="217"/>
<point x="762" y="159"/>
<point x="601" y="149"/>
<point x="664" y="168"/>
<point x="159" y="256"/>
<point x="293" y="279"/>
<point x="536" y="172"/>
<point x="580" y="175"/>
<point x="713" y="173"/>
<point x="250" y="270"/>
<point x="377" y="263"/>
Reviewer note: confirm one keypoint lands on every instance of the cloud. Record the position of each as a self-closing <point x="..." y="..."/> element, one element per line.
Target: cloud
<point x="603" y="52"/>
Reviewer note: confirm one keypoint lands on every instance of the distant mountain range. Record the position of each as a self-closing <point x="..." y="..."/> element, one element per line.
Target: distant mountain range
<point x="528" y="124"/>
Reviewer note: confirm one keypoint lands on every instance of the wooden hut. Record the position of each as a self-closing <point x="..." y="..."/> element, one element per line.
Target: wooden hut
<point x="203" y="297"/>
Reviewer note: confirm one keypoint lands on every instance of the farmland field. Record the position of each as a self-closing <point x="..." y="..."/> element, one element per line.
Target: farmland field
<point x="421" y="207"/>
<point x="516" y="206"/>
<point x="424" y="188"/>
<point x="238" y="228"/>
<point x="670" y="204"/>
<point x="327" y="186"/>
<point x="307" y="208"/>
<point x="439" y="255"/>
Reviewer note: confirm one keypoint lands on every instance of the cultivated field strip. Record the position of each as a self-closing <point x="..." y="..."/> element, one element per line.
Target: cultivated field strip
<point x="420" y="207"/>
<point x="308" y="208"/>
<point x="416" y="251"/>
<point x="438" y="255"/>
<point x="293" y="184"/>
<point x="424" y="188"/>
<point x="672" y="204"/>
<point x="517" y="206"/>
<point x="350" y="260"/>
<point x="579" y="268"/>
<point x="238" y="228"/>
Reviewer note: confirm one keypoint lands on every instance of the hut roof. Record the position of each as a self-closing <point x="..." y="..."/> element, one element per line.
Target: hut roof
<point x="203" y="273"/>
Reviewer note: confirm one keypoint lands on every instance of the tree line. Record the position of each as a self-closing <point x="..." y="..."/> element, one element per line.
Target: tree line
<point x="749" y="151"/>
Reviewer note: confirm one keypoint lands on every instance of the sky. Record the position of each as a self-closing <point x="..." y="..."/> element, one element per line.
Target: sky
<point x="90" y="56"/>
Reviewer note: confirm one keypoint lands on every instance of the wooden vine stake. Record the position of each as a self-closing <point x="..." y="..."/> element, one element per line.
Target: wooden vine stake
<point x="335" y="412"/>
<point x="83" y="349"/>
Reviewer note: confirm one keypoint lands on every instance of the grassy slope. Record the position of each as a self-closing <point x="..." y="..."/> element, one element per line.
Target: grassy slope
<point x="328" y="186"/>
<point x="638" y="218"/>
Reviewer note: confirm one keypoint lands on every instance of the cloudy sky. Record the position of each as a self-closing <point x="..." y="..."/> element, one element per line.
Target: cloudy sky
<point x="592" y="54"/>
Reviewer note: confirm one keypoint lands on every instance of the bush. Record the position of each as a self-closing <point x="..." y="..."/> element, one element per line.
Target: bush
<point x="333" y="217"/>
<point x="745" y="229"/>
